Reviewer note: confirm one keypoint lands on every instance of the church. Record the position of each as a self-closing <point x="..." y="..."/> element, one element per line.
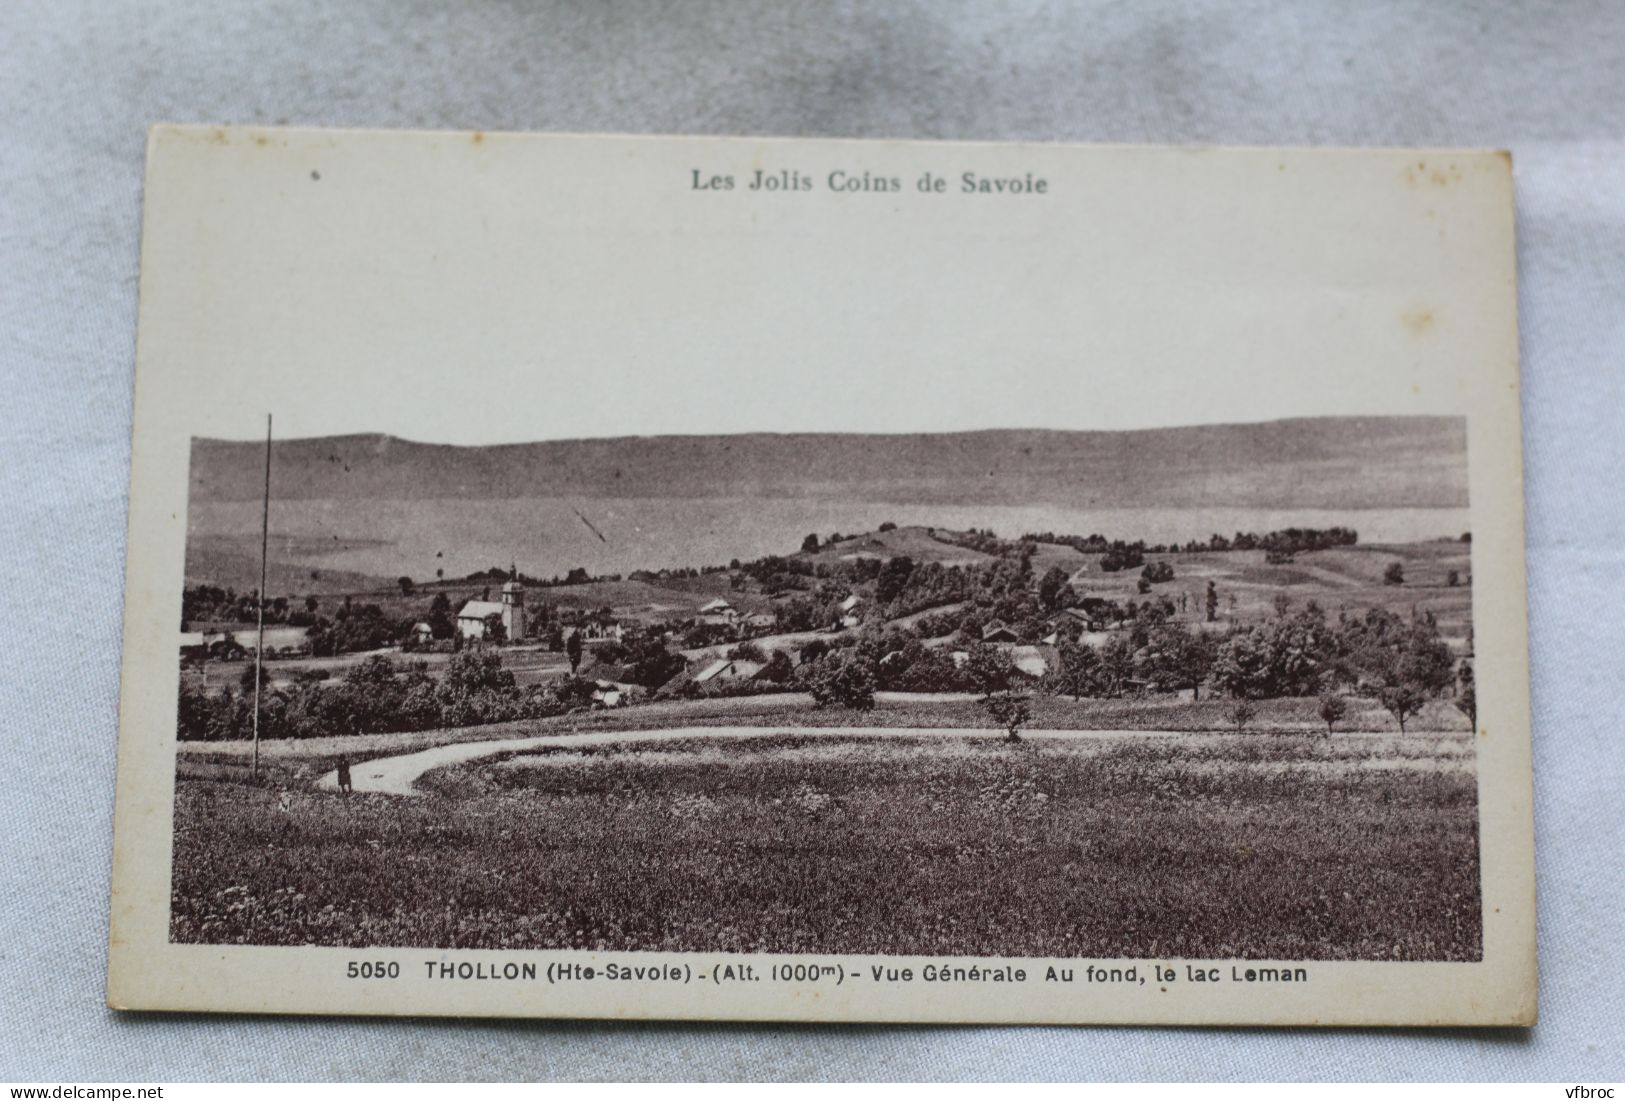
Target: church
<point x="472" y="617"/>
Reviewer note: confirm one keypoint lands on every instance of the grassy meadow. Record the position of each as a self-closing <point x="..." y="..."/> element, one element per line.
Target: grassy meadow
<point x="1288" y="846"/>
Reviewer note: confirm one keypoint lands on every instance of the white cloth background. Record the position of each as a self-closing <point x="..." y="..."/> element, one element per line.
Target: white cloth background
<point x="80" y="81"/>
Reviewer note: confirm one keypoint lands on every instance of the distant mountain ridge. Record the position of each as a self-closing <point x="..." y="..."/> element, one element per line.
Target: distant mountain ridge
<point x="1308" y="463"/>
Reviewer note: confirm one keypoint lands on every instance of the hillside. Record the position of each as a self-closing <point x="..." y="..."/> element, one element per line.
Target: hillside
<point x="914" y="542"/>
<point x="1330" y="462"/>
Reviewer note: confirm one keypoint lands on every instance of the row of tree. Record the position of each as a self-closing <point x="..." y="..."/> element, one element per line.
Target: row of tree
<point x="380" y="696"/>
<point x="1403" y="662"/>
<point x="1284" y="541"/>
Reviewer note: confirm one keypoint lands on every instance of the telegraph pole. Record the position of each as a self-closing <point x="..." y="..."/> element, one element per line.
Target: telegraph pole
<point x="259" y="648"/>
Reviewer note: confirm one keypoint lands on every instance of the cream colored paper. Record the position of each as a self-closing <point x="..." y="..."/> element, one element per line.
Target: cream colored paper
<point x="480" y="289"/>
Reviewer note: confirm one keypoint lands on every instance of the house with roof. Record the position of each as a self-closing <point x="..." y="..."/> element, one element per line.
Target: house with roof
<point x="226" y="641"/>
<point x="759" y="623"/>
<point x="608" y="694"/>
<point x="1033" y="661"/>
<point x="719" y="613"/>
<point x="851" y="611"/>
<point x="1092" y="613"/>
<point x="998" y="632"/>
<point x="727" y="669"/>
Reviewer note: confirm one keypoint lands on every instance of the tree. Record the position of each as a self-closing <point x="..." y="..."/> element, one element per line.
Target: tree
<point x="1055" y="589"/>
<point x="572" y="650"/>
<point x="406" y="585"/>
<point x="574" y="692"/>
<point x="1158" y="572"/>
<point x="469" y="673"/>
<point x="747" y="651"/>
<point x="441" y="623"/>
<point x="1241" y="667"/>
<point x="1332" y="709"/>
<point x="1177" y="658"/>
<point x="779" y="668"/>
<point x="1467" y="697"/>
<point x="1211" y="602"/>
<point x="1394" y="574"/>
<point x="1011" y="711"/>
<point x="846" y="684"/>
<point x="1453" y="578"/>
<point x="893" y="578"/>
<point x="1241" y="714"/>
<point x="809" y="545"/>
<point x="1075" y="671"/>
<point x="989" y="668"/>
<point x="815" y="649"/>
<point x="1116" y="666"/>
<point x="1403" y="701"/>
<point x="495" y="630"/>
<point x="650" y="664"/>
<point x="888" y="526"/>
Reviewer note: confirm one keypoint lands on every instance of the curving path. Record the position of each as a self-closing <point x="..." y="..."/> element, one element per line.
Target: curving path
<point x="399" y="775"/>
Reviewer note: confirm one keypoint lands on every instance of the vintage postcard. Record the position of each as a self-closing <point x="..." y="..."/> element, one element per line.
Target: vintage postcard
<point x="824" y="580"/>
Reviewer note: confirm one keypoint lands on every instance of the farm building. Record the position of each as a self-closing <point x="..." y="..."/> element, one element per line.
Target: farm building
<point x="598" y="630"/>
<point x="851" y="611"/>
<point x="724" y="669"/>
<point x="278" y="639"/>
<point x="998" y="632"/>
<point x="1034" y="661"/>
<point x="718" y="612"/>
<point x="608" y="693"/>
<point x="1093" y="613"/>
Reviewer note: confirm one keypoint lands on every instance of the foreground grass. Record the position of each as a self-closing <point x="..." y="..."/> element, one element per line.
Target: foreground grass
<point x="1292" y="847"/>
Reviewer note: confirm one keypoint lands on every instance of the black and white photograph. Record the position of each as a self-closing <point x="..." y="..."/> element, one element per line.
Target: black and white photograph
<point x="1200" y="692"/>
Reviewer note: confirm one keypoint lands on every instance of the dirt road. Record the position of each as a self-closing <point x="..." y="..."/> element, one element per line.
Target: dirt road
<point x="399" y="775"/>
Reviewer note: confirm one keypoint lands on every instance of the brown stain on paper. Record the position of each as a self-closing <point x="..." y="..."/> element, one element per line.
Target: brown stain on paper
<point x="1423" y="174"/>
<point x="1418" y="319"/>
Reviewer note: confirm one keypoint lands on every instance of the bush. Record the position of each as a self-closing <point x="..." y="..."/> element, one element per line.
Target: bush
<point x="1157" y="572"/>
<point x="1332" y="709"/>
<point x="1394" y="574"/>
<point x="747" y="651"/>
<point x="846" y="684"/>
<point x="1011" y="711"/>
<point x="1241" y="714"/>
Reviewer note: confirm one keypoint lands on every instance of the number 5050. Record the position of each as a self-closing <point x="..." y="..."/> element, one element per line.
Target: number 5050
<point x="367" y="969"/>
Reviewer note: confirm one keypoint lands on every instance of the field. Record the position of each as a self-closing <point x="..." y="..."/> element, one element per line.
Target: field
<point x="793" y="710"/>
<point x="1344" y="577"/>
<point x="1287" y="846"/>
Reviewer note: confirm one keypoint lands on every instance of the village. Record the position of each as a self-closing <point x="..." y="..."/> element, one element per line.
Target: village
<point x="905" y="612"/>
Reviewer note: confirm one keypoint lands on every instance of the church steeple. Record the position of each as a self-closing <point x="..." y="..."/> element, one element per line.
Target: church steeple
<point x="513" y="605"/>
